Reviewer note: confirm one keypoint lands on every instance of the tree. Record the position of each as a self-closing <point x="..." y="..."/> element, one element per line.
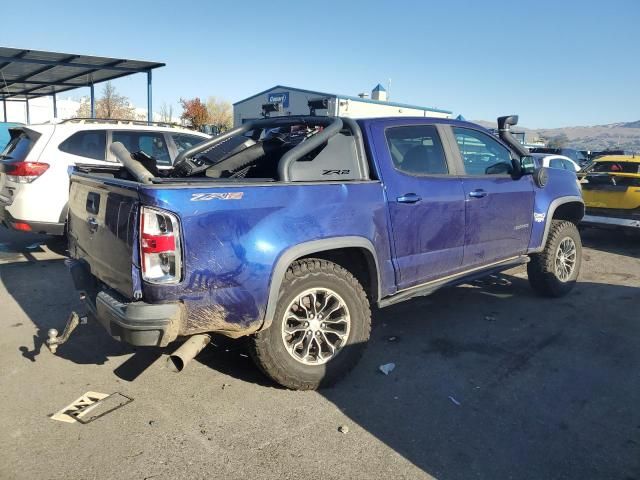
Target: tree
<point x="109" y="105"/>
<point x="166" y="113"/>
<point x="220" y="113"/>
<point x="558" y="141"/>
<point x="195" y="112"/>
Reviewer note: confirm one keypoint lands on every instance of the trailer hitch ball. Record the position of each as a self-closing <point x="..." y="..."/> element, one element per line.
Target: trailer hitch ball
<point x="54" y="341"/>
<point x="53" y="336"/>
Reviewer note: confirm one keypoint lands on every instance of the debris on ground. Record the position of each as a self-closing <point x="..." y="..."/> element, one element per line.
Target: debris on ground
<point x="387" y="368"/>
<point x="392" y="339"/>
<point x="343" y="429"/>
<point x="490" y="318"/>
<point x="454" y="400"/>
<point x="225" y="385"/>
<point x="91" y="406"/>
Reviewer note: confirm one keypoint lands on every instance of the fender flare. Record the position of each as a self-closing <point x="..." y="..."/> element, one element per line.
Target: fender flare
<point x="305" y="249"/>
<point x="550" y="212"/>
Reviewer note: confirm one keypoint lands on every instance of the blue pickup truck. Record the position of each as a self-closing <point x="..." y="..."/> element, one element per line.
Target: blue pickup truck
<point x="288" y="229"/>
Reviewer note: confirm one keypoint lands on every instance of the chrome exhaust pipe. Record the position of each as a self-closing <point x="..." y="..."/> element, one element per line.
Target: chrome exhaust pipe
<point x="187" y="352"/>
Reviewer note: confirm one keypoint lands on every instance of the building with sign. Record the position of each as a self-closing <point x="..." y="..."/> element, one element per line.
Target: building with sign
<point x="281" y="100"/>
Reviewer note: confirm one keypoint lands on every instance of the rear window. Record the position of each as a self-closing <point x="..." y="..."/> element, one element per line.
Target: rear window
<point x="616" y="167"/>
<point x="88" y="143"/>
<point x="151" y="143"/>
<point x="18" y="148"/>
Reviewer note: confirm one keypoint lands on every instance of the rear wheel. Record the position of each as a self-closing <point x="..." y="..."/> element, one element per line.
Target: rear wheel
<point x="554" y="271"/>
<point x="320" y="327"/>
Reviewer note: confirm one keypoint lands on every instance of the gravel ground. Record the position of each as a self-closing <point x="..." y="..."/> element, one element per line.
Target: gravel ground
<point x="490" y="382"/>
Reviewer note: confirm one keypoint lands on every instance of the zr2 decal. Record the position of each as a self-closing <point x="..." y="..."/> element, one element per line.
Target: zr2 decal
<point x="199" y="197"/>
<point x="336" y="172"/>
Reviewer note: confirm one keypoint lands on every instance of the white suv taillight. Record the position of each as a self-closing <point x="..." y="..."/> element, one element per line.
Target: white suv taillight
<point x="24" y="172"/>
<point x="160" y="250"/>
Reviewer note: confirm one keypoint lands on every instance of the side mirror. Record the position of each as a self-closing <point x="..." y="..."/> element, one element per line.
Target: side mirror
<point x="527" y="165"/>
<point x="541" y="176"/>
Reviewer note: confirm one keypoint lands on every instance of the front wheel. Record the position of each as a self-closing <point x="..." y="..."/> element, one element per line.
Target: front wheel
<point x="554" y="271"/>
<point x="320" y="327"/>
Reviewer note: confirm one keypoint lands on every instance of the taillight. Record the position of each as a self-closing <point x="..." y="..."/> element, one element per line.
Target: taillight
<point x="25" y="227"/>
<point x="160" y="251"/>
<point x="24" y="172"/>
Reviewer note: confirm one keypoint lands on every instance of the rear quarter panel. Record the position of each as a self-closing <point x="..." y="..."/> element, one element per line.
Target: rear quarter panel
<point x="231" y="245"/>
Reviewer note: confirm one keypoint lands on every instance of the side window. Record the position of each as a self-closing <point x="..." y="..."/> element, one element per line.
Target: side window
<point x="481" y="154"/>
<point x="417" y="150"/>
<point x="151" y="143"/>
<point x="185" y="142"/>
<point x="88" y="143"/>
<point x="569" y="166"/>
<point x="556" y="163"/>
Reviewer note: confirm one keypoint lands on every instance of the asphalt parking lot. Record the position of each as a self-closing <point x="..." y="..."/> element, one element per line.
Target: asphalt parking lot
<point x="491" y="382"/>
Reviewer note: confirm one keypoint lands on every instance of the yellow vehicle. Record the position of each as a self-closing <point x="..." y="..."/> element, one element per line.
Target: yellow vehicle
<point x="611" y="191"/>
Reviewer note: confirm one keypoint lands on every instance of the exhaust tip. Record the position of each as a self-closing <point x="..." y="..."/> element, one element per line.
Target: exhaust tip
<point x="175" y="363"/>
<point x="179" y="359"/>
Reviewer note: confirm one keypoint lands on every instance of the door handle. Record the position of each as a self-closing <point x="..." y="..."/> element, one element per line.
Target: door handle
<point x="479" y="193"/>
<point x="93" y="224"/>
<point x="409" y="198"/>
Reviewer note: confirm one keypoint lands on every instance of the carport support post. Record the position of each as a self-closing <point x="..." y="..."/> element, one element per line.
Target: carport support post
<point x="4" y="109"/>
<point x="149" y="103"/>
<point x="26" y="102"/>
<point x="93" y="101"/>
<point x="55" y="106"/>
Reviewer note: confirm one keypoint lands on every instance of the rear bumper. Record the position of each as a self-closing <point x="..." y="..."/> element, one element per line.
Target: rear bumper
<point x="610" y="221"/>
<point x="7" y="220"/>
<point x="137" y="323"/>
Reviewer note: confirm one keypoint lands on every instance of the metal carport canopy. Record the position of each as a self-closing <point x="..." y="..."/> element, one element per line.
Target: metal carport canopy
<point x="27" y="74"/>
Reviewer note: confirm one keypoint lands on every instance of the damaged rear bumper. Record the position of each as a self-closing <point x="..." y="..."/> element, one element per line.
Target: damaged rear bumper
<point x="137" y="323"/>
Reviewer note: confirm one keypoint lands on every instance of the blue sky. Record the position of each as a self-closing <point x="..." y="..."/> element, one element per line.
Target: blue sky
<point x="556" y="63"/>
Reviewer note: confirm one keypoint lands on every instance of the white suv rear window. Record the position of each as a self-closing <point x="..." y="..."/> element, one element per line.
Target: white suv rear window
<point x="87" y="143"/>
<point x="18" y="148"/>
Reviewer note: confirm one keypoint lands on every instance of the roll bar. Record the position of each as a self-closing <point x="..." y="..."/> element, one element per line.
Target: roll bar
<point x="255" y="124"/>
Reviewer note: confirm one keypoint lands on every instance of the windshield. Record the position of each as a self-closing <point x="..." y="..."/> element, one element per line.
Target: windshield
<point x="615" y="167"/>
<point x="18" y="148"/>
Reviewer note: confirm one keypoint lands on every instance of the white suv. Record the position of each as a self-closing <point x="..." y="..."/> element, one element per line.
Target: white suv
<point x="34" y="166"/>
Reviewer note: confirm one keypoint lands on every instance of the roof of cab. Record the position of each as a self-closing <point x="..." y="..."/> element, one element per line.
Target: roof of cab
<point x="618" y="158"/>
<point x="425" y="120"/>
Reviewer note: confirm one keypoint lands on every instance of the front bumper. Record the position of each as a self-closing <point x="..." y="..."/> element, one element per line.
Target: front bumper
<point x="610" y="221"/>
<point x="137" y="323"/>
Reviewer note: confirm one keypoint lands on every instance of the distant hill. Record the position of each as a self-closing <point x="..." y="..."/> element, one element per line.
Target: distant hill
<point x="625" y="136"/>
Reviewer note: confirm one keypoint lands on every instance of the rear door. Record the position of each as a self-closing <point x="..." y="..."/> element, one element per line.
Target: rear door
<point x="425" y="201"/>
<point x="498" y="209"/>
<point x="103" y="229"/>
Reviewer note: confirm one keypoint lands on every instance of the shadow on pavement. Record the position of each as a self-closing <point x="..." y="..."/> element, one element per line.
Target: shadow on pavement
<point x="621" y="242"/>
<point x="492" y="381"/>
<point x="42" y="288"/>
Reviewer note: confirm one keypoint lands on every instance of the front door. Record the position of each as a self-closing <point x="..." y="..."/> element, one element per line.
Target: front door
<point x="499" y="209"/>
<point x="425" y="202"/>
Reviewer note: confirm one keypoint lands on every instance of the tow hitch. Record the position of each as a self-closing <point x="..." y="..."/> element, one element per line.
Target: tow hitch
<point x="54" y="341"/>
